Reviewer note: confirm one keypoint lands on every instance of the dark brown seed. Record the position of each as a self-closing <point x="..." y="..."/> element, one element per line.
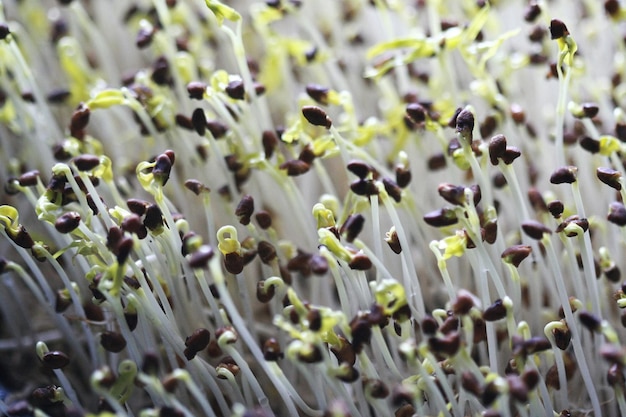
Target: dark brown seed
<point x="511" y="154"/>
<point x="161" y="72"/>
<point x="132" y="320"/>
<point x="562" y="338"/>
<point x="536" y="200"/>
<point x="310" y="353"/>
<point x="232" y="163"/>
<point x="532" y="12"/>
<point x="534" y="229"/>
<point x="361" y="330"/>
<point x="591" y="322"/>
<point x="295" y="167"/>
<point x="271" y="350"/>
<point x="235" y="90"/>
<point x="259" y="89"/>
<point x="490" y="394"/>
<point x="80" y="118"/>
<point x="564" y="175"/>
<point x="610" y="177"/>
<point x="556" y="208"/>
<point x="112" y="341"/>
<point x="216" y="128"/>
<point x="264" y="219"/>
<point x="144" y="37"/>
<point x="436" y="162"/>
<point x="133" y="224"/>
<point x="307" y="155"/>
<point x="28" y="179"/>
<point x="494" y="312"/>
<point x="137" y="206"/>
<point x="613" y="273"/>
<point x="162" y="169"/>
<point x="300" y="263"/>
<point x="454" y="194"/>
<point x="314" y="317"/>
<point x="450" y="324"/>
<point x="311" y="54"/>
<point x="234" y="263"/>
<point x="447" y="346"/>
<point x="167" y="411"/>
<point x="612" y="7"/>
<point x="154" y="218"/>
<point x="530" y="378"/>
<point x="318" y="264"/>
<point x="270" y="142"/>
<point x="613" y="354"/>
<point x="582" y="223"/>
<point x="441" y="218"/>
<point x="537" y="34"/>
<point x="359" y="168"/>
<point x="517" y="388"/>
<point x="266" y="251"/>
<point x="264" y="295"/>
<point x="123" y="249"/>
<point x="196" y="187"/>
<point x="536" y="344"/>
<point x="198" y="119"/>
<point x="590" y="110"/>
<point x="490" y="231"/>
<point x="4" y="31"/>
<point x="245" y="209"/>
<point x="55" y="359"/>
<point x="360" y="262"/>
<point x="429" y="325"/>
<point x="318" y="93"/>
<point x="376" y="388"/>
<point x="615" y="376"/>
<point x="392" y="189"/>
<point x="198" y="340"/>
<point x="617" y="213"/>
<point x="201" y="257"/>
<point x="516" y="254"/>
<point x="344" y="351"/>
<point x="465" y="123"/>
<point x="67" y="222"/>
<point x="316" y="116"/>
<point x="352" y="227"/>
<point x="470" y="383"/>
<point x="196" y="90"/>
<point x="347" y="373"/>
<point x="86" y="162"/>
<point x="463" y="304"/>
<point x="62" y="301"/>
<point x="620" y="131"/>
<point x="517" y="114"/>
<point x="22" y="238"/>
<point x="488" y="126"/>
<point x="403" y="177"/>
<point x="497" y="148"/>
<point x="416" y="112"/>
<point x="58" y="96"/>
<point x="364" y="187"/>
<point x="558" y="29"/>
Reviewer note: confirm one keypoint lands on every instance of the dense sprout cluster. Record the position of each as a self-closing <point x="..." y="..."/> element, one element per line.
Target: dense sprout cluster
<point x="317" y="208"/>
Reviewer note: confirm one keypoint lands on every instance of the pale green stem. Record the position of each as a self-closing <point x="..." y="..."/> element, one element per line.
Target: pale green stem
<point x="576" y="337"/>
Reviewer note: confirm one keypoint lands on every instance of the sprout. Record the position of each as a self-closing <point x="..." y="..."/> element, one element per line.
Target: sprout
<point x="198" y="195"/>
